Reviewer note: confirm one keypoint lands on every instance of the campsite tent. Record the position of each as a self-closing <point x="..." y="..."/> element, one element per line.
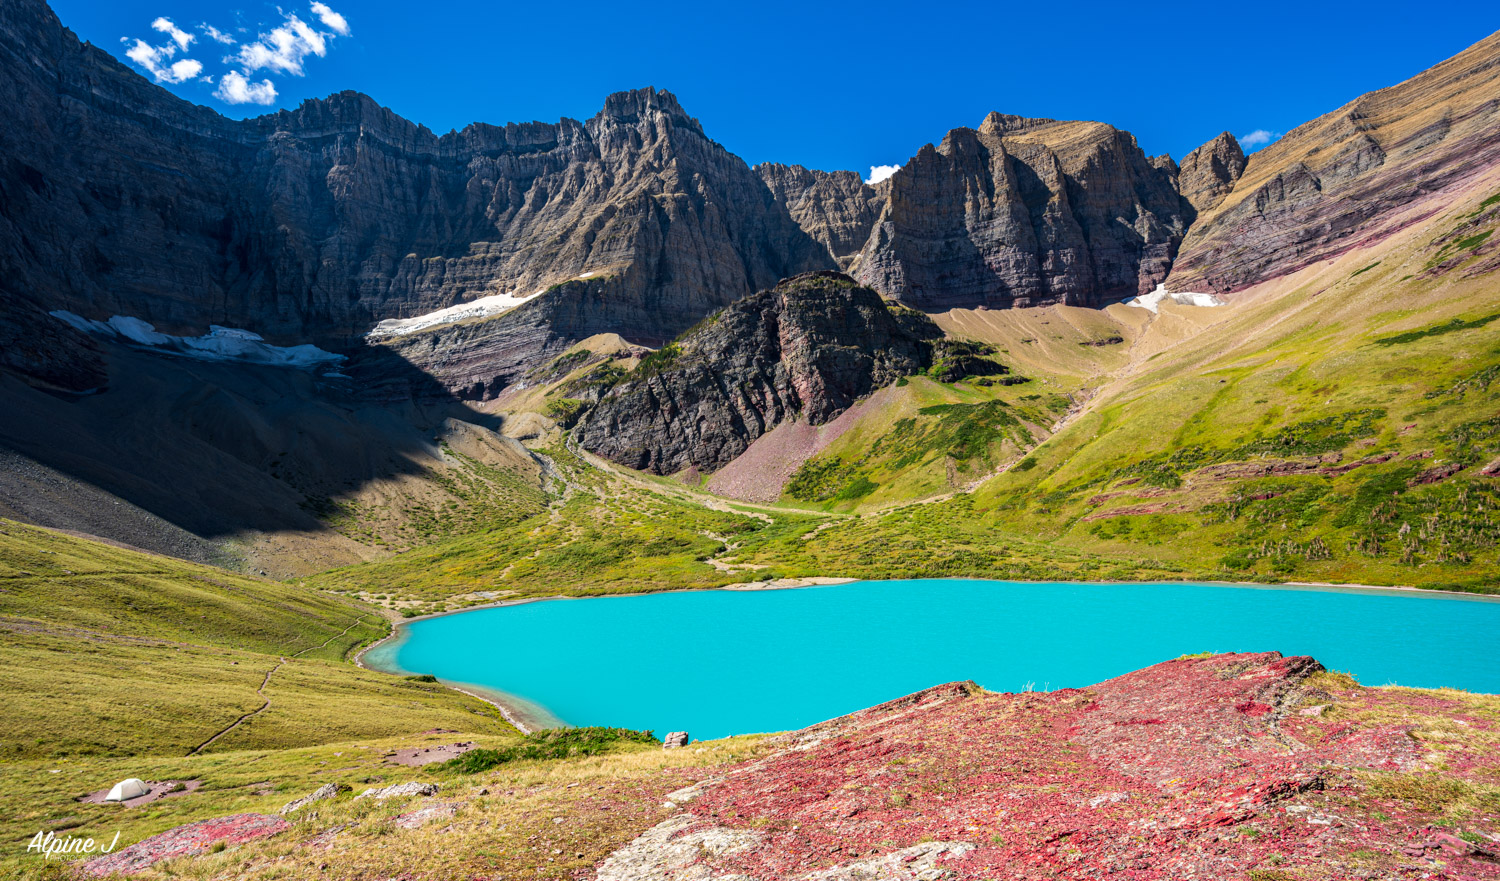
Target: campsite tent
<point x="128" y="789"/>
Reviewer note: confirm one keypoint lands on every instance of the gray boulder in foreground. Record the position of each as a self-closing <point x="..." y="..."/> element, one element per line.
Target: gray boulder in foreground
<point x="398" y="790"/>
<point x="322" y="793"/>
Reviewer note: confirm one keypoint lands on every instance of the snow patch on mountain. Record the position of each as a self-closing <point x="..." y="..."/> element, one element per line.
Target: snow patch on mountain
<point x="484" y="307"/>
<point x="219" y="344"/>
<point x="1154" y="299"/>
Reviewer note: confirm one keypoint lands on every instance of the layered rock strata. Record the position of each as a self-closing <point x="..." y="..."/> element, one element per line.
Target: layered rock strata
<point x="310" y="225"/>
<point x="1209" y="173"/>
<point x="1351" y="177"/>
<point x="807" y="349"/>
<point x="836" y="208"/>
<point x="1025" y="212"/>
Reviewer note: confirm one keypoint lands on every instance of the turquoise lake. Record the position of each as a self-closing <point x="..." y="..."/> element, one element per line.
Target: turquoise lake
<point x="715" y="663"/>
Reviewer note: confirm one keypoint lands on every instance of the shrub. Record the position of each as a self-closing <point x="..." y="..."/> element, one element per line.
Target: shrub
<point x="554" y="743"/>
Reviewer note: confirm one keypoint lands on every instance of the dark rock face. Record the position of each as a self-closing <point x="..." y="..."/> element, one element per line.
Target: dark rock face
<point x="1025" y="212"/>
<point x="312" y="224"/>
<point x="836" y="208"/>
<point x="46" y="353"/>
<point x="1350" y="177"/>
<point x="1208" y="173"/>
<point x="806" y="349"/>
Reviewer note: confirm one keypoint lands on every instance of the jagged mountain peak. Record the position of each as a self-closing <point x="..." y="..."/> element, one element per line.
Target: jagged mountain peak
<point x="632" y="104"/>
<point x="1209" y="172"/>
<point x="1025" y="212"/>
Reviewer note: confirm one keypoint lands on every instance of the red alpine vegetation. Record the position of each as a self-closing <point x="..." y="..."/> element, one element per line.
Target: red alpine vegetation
<point x="194" y="838"/>
<point x="1212" y="767"/>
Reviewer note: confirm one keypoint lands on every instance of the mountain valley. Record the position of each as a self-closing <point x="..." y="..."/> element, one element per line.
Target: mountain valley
<point x="273" y="387"/>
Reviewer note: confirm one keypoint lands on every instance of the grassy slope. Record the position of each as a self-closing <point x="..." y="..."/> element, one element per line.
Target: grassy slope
<point x="1350" y="360"/>
<point x="607" y="800"/>
<point x="932" y="439"/>
<point x="111" y="651"/>
<point x="609" y="535"/>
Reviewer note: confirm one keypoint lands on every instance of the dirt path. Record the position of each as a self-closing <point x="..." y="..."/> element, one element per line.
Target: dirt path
<point x="357" y="622"/>
<point x="267" y="681"/>
<point x="237" y="722"/>
<point x="694" y="496"/>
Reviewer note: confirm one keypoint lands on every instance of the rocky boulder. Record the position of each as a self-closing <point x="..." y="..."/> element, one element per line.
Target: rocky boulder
<point x="322" y="793"/>
<point x="399" y="790"/>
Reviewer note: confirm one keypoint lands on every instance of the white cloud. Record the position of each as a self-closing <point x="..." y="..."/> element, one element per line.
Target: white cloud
<point x="179" y="36"/>
<point x="1258" y="138"/>
<point x="879" y="173"/>
<point x="283" y="49"/>
<point x="154" y="59"/>
<point x="331" y="19"/>
<point x="234" y="88"/>
<point x="216" y="35"/>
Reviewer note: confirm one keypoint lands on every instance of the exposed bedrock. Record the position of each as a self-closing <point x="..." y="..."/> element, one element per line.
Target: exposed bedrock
<point x="1350" y="177"/>
<point x="1209" y="173"/>
<point x="309" y="225"/>
<point x="807" y="349"/>
<point x="1026" y="212"/>
<point x="836" y="208"/>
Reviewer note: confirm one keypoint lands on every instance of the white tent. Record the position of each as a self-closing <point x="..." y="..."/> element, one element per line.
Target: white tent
<point x="128" y="789"/>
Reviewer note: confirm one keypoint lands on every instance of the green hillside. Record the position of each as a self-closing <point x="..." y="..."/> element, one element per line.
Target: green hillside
<point x="108" y="651"/>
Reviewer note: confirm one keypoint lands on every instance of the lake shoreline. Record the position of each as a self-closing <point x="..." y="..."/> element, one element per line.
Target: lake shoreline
<point x="519" y="716"/>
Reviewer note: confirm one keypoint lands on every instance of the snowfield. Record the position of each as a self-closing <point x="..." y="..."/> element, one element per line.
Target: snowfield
<point x="1154" y="299"/>
<point x="219" y="344"/>
<point x="483" y="307"/>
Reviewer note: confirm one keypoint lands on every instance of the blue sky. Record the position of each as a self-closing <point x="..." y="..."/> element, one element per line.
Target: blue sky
<point x="827" y="85"/>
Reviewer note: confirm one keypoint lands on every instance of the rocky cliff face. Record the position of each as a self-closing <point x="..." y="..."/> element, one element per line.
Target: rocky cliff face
<point x="806" y="349"/>
<point x="1350" y="177"/>
<point x="836" y="208"/>
<point x="312" y="224"/>
<point x="1025" y="212"/>
<point x="1208" y="173"/>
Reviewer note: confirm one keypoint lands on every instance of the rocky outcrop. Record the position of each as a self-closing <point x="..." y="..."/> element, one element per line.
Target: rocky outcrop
<point x="322" y="793"/>
<point x="807" y="349"/>
<point x="1373" y="167"/>
<point x="1208" y="173"/>
<point x="836" y="208"/>
<point x="1193" y="768"/>
<point x="185" y="841"/>
<point x="309" y="225"/>
<point x="399" y="790"/>
<point x="1025" y="212"/>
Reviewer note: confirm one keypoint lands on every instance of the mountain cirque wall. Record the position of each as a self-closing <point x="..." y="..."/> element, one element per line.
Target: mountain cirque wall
<point x="313" y="224"/>
<point x="1225" y="766"/>
<point x="1350" y="177"/>
<point x="1026" y="212"/>
<point x="806" y="349"/>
